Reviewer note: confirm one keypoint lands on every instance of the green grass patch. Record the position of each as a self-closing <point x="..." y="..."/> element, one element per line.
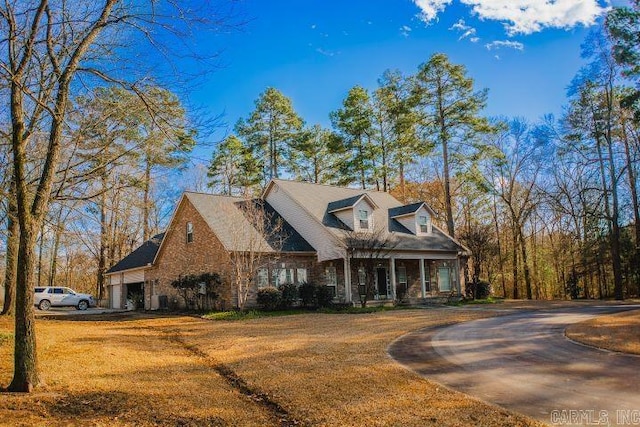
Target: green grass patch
<point x="235" y="315"/>
<point x="490" y="300"/>
<point x="250" y="314"/>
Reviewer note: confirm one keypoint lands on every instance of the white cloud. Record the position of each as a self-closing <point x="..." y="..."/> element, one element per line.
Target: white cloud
<point x="405" y="30"/>
<point x="474" y="39"/>
<point x="313" y="26"/>
<point x="431" y="8"/>
<point x="523" y="16"/>
<point x="466" y="30"/>
<point x="498" y="44"/>
<point x="324" y="52"/>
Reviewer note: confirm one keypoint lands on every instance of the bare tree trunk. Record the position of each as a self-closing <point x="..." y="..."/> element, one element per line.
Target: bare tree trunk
<point x="514" y="264"/>
<point x="633" y="185"/>
<point x="40" y="254"/>
<point x="25" y="375"/>
<point x="146" y="234"/>
<point x="616" y="262"/>
<point x="525" y="263"/>
<point x="500" y="251"/>
<point x="447" y="190"/>
<point x="104" y="239"/>
<point x="59" y="229"/>
<point x="13" y="240"/>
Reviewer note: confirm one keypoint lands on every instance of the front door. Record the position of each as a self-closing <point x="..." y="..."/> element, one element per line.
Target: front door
<point x="381" y="281"/>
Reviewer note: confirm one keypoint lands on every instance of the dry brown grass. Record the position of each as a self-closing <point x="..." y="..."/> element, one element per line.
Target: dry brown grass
<point x="324" y="369"/>
<point x="617" y="332"/>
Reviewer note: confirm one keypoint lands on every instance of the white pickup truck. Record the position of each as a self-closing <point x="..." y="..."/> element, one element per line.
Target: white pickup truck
<point x="57" y="296"/>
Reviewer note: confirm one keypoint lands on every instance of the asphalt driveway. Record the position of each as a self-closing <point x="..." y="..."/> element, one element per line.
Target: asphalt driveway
<point x="524" y="362"/>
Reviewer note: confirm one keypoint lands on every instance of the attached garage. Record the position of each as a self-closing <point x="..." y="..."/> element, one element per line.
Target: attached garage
<point x="126" y="279"/>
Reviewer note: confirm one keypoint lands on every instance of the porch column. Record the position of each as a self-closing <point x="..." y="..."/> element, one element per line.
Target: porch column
<point x="347" y="279"/>
<point x="392" y="261"/>
<point x="423" y="284"/>
<point x="458" y="276"/>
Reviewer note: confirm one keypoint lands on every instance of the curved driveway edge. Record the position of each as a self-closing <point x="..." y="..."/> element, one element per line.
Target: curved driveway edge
<point x="523" y="362"/>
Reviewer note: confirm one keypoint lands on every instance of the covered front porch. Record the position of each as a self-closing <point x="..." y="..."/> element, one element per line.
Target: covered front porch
<point x="403" y="278"/>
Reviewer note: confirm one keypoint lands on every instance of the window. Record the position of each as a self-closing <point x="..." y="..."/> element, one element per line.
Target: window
<point x="423" y="224"/>
<point x="331" y="279"/>
<point x="362" y="276"/>
<point x="427" y="276"/>
<point x="280" y="276"/>
<point x="444" y="279"/>
<point x="302" y="275"/>
<point x="263" y="278"/>
<point x="402" y="276"/>
<point x="189" y="232"/>
<point x="363" y="215"/>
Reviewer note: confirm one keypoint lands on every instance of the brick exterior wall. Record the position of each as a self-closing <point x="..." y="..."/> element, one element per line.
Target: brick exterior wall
<point x="206" y="254"/>
<point x="180" y="258"/>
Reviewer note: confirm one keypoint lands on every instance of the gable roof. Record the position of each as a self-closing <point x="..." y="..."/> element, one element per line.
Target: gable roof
<point x="348" y="203"/>
<point x="140" y="257"/>
<point x="316" y="199"/>
<point x="235" y="222"/>
<point x="408" y="210"/>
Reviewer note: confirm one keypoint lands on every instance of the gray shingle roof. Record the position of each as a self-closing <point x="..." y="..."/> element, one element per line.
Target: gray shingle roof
<point x="405" y="210"/>
<point x="344" y="203"/>
<point x="140" y="257"/>
<point x="243" y="225"/>
<point x="316" y="199"/>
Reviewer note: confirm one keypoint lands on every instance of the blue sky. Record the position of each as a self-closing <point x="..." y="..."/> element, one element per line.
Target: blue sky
<point x="524" y="51"/>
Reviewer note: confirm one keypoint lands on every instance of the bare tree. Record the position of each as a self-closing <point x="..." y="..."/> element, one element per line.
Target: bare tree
<point x="367" y="249"/>
<point x="48" y="52"/>
<point x="253" y="247"/>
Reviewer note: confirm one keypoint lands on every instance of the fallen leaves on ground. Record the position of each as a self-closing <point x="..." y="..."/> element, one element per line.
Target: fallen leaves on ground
<point x="617" y="332"/>
<point x="323" y="369"/>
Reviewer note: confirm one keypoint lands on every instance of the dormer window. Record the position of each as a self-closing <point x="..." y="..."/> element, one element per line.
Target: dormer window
<point x="363" y="215"/>
<point x="423" y="224"/>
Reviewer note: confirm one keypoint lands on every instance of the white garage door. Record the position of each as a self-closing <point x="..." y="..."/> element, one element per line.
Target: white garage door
<point x="116" y="294"/>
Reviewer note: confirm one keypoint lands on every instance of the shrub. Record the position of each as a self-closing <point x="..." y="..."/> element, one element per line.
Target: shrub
<point x="199" y="292"/>
<point x="324" y="296"/>
<point x="307" y="293"/>
<point x="269" y="298"/>
<point x="289" y="295"/>
<point x="317" y="296"/>
<point x="478" y="290"/>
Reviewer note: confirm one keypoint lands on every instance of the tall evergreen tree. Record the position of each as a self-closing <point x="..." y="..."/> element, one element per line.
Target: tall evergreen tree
<point x="233" y="169"/>
<point x="353" y="123"/>
<point x="312" y="158"/>
<point x="270" y="130"/>
<point x="623" y="24"/>
<point x="397" y="124"/>
<point x="449" y="111"/>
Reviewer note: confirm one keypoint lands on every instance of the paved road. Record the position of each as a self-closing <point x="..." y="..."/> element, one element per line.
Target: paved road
<point x="525" y="363"/>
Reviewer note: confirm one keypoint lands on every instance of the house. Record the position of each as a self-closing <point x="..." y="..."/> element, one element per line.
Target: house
<point x="305" y="233"/>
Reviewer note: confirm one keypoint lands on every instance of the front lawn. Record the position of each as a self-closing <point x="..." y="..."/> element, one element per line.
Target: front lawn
<point x="309" y="369"/>
<point x="617" y="332"/>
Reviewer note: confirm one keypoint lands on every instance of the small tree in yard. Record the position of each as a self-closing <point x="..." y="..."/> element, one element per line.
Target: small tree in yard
<point x="369" y="248"/>
<point x="253" y="247"/>
<point x="199" y="291"/>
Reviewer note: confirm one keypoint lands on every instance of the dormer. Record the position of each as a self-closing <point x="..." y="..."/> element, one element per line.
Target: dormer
<point x="416" y="217"/>
<point x="355" y="212"/>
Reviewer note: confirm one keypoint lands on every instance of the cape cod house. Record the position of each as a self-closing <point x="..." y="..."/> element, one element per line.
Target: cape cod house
<point x="314" y="233"/>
